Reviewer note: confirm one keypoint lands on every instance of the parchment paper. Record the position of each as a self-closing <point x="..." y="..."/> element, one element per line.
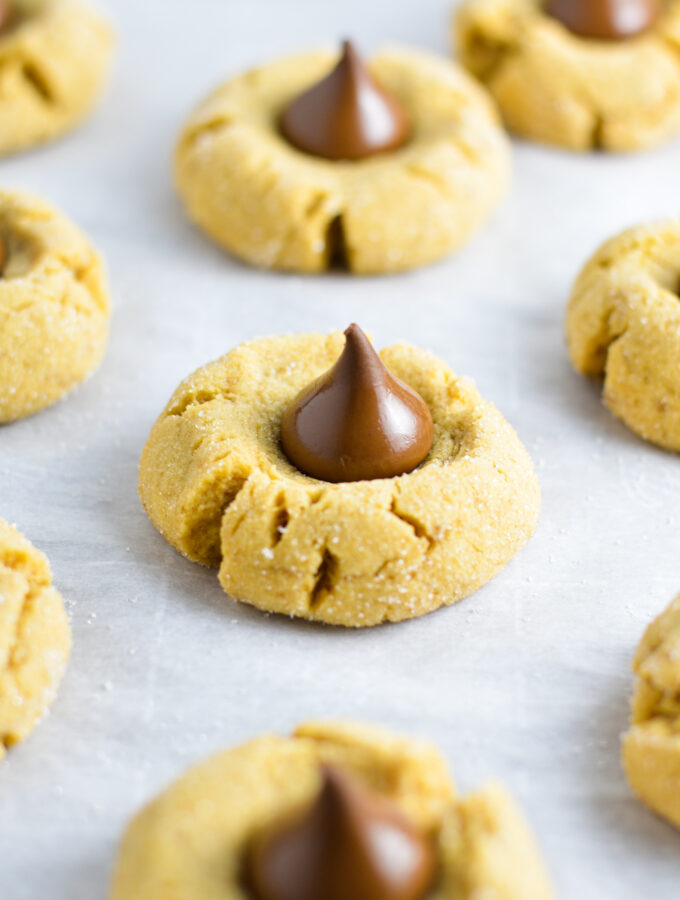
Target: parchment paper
<point x="528" y="681"/>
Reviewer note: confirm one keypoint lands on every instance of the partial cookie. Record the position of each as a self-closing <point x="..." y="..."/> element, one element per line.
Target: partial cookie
<point x="215" y="482"/>
<point x="623" y="325"/>
<point x="194" y="840"/>
<point x="277" y="207"/>
<point x="35" y="638"/>
<point x="651" y="748"/>
<point x="54" y="306"/>
<point x="560" y="88"/>
<point x="55" y="58"/>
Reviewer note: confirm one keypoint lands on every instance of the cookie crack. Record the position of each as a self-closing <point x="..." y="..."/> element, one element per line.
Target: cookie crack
<point x="594" y="362"/>
<point x="230" y="497"/>
<point x="197" y="398"/>
<point x="597" y="132"/>
<point x="325" y="578"/>
<point x="497" y="53"/>
<point x="614" y="339"/>
<point x="418" y="528"/>
<point x="213" y="126"/>
<point x="670" y="44"/>
<point x="280" y="520"/>
<point x="337" y="251"/>
<point x="420" y="173"/>
<point x="15" y="642"/>
<point x="81" y="274"/>
<point x="38" y="83"/>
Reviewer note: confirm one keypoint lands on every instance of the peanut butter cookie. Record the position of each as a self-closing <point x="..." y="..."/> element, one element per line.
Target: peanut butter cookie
<point x="384" y="196"/>
<point x="578" y="87"/>
<point x="218" y="485"/>
<point x="55" y="57"/>
<point x="54" y="306"/>
<point x="623" y="325"/>
<point x="651" y="748"/>
<point x="196" y="839"/>
<point x="35" y="638"/>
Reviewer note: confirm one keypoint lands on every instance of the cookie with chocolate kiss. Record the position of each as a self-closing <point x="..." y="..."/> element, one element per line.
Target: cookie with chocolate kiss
<point x="57" y="56"/>
<point x="250" y="468"/>
<point x="580" y="74"/>
<point x="351" y="843"/>
<point x="324" y="160"/>
<point x="336" y="811"/>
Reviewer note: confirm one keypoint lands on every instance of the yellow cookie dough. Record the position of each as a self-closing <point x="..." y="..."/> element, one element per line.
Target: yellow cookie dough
<point x="556" y="87"/>
<point x="53" y="66"/>
<point x="54" y="306"/>
<point x="276" y="207"/>
<point x="35" y="638"/>
<point x="189" y="842"/>
<point x="651" y="748"/>
<point x="216" y="484"/>
<point x="623" y="325"/>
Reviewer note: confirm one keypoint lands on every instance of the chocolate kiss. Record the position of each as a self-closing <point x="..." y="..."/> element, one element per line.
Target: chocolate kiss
<point x="5" y="14"/>
<point x="347" y="115"/>
<point x="357" y="421"/>
<point x="605" y="19"/>
<point x="353" y="844"/>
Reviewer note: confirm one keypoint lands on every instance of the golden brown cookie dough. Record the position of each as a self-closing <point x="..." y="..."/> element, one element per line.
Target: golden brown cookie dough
<point x="54" y="61"/>
<point x="277" y="207"/>
<point x="623" y="325"/>
<point x="190" y="841"/>
<point x="35" y="638"/>
<point x="559" y="88"/>
<point x="218" y="487"/>
<point x="651" y="748"/>
<point x="54" y="306"/>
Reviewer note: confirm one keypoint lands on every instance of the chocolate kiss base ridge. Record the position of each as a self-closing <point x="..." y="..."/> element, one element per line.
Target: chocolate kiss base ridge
<point x="357" y="421"/>
<point x="608" y="20"/>
<point x="347" y="115"/>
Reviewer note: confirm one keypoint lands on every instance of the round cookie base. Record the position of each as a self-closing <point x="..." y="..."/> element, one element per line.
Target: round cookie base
<point x="651" y="747"/>
<point x="55" y="65"/>
<point x="275" y="207"/>
<point x="214" y="481"/>
<point x="54" y="306"/>
<point x="35" y="638"/>
<point x="623" y="326"/>
<point x="191" y="840"/>
<point x="557" y="88"/>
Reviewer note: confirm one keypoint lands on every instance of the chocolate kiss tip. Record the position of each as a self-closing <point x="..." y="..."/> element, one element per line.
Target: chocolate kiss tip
<point x="357" y="421"/>
<point x="351" y="843"/>
<point x="346" y="115"/>
<point x="605" y="20"/>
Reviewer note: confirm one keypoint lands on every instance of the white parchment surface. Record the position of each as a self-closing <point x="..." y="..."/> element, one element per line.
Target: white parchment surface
<point x="528" y="681"/>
